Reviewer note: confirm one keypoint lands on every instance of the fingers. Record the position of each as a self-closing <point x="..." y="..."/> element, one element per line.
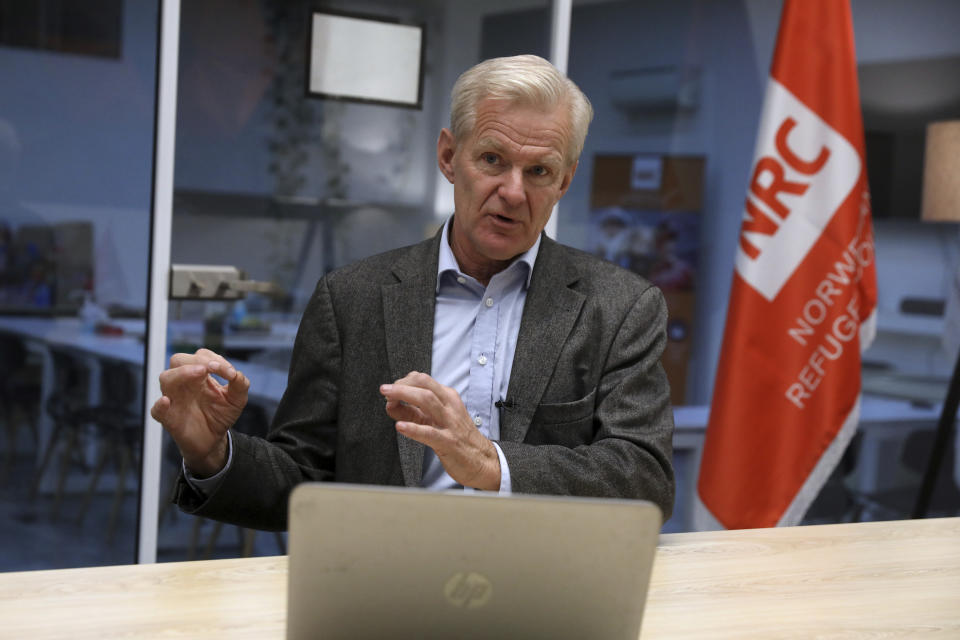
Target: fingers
<point x="401" y="411"/>
<point x="237" y="387"/>
<point x="187" y="381"/>
<point x="160" y="409"/>
<point x="237" y="383"/>
<point x="421" y="391"/>
<point x="422" y="381"/>
<point x="417" y="405"/>
<point x="162" y="412"/>
<point x="188" y="367"/>
<point x="176" y="378"/>
<point x="472" y="462"/>
<point x="428" y="412"/>
<point x="443" y="441"/>
<point x="434" y="415"/>
<point x="201" y="356"/>
<point x="423" y="434"/>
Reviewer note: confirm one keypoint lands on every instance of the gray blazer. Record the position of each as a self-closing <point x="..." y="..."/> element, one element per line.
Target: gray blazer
<point x="591" y="412"/>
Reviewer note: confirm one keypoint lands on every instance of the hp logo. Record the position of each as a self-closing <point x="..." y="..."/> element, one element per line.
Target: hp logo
<point x="468" y="590"/>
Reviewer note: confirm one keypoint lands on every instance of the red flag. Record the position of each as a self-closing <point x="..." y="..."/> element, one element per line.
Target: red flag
<point x="803" y="301"/>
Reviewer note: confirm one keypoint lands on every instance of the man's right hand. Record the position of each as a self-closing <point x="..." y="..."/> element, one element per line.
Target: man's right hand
<point x="197" y="411"/>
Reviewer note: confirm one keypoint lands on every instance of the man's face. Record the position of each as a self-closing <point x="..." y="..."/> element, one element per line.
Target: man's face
<point x="506" y="176"/>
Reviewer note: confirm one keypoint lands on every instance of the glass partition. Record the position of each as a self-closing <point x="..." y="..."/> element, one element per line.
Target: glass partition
<point x="76" y="165"/>
<point x="288" y="186"/>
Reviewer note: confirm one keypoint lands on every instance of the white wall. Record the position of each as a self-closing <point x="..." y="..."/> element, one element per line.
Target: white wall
<point x="714" y="36"/>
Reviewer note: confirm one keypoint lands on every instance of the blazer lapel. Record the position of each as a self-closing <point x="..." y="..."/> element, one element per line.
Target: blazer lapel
<point x="549" y="314"/>
<point x="408" y="309"/>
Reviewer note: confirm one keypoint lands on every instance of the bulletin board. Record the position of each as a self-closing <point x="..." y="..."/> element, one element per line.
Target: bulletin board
<point x="645" y="216"/>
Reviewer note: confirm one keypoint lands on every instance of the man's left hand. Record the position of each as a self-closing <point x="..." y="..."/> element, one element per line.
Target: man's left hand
<point x="434" y="415"/>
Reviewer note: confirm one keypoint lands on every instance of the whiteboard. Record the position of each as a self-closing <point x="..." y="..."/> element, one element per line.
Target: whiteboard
<point x="365" y="59"/>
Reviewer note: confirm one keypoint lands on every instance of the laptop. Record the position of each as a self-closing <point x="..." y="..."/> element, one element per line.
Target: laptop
<point x="377" y="562"/>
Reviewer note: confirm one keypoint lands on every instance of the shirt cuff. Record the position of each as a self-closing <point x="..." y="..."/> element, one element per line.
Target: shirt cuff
<point x="207" y="486"/>
<point x="505" y="487"/>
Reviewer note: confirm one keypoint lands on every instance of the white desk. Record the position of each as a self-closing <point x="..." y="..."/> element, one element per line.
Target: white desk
<point x="881" y="421"/>
<point x="41" y="335"/>
<point x="68" y="333"/>
<point x="280" y="335"/>
<point x="875" y="410"/>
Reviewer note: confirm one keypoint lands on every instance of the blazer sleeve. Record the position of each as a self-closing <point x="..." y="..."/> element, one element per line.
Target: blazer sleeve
<point x="628" y="419"/>
<point x="301" y="443"/>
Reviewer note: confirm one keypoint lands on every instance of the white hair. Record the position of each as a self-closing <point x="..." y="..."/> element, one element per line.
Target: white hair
<point x="525" y="80"/>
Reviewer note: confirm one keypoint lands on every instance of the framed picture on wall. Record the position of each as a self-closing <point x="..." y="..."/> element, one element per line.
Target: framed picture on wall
<point x="365" y="58"/>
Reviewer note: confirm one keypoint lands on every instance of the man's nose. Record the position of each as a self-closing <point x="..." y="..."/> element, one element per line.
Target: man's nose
<point x="511" y="188"/>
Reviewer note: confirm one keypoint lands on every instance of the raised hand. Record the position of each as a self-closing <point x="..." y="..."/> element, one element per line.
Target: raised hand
<point x="197" y="410"/>
<point x="434" y="415"/>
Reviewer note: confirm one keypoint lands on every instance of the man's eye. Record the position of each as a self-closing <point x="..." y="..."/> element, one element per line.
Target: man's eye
<point x="539" y="171"/>
<point x="490" y="158"/>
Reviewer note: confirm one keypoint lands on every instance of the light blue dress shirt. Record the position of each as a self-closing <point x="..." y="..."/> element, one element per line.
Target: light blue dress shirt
<point x="474" y="337"/>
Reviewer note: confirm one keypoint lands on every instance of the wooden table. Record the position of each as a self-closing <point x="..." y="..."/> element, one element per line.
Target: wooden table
<point x="866" y="580"/>
<point x="869" y="580"/>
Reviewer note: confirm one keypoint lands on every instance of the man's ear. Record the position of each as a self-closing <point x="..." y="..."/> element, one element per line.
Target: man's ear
<point x="568" y="178"/>
<point x="446" y="148"/>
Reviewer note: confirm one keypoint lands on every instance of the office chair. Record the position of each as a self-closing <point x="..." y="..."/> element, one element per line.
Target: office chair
<point x="897" y="502"/>
<point x="68" y="394"/>
<point x="836" y="501"/>
<point x="110" y="426"/>
<point x="19" y="397"/>
<point x="116" y="429"/>
<point x="252" y="421"/>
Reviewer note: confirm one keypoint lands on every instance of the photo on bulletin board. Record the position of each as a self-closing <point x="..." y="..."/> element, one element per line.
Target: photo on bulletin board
<point x="364" y="58"/>
<point x="645" y="212"/>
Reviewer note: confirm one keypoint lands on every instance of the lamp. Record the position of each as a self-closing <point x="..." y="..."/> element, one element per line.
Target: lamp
<point x="941" y="203"/>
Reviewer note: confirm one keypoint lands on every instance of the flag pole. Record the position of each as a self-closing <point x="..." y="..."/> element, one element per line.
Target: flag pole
<point x="945" y="428"/>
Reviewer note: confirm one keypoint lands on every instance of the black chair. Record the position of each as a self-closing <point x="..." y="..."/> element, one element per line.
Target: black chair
<point x="836" y="501"/>
<point x="69" y="393"/>
<point x="19" y="397"/>
<point x="252" y="421"/>
<point x="898" y="501"/>
<point x="115" y="427"/>
<point x="111" y="429"/>
<point x="841" y="501"/>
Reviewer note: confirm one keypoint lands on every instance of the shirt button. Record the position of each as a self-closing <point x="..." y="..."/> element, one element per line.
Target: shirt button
<point x="488" y="302"/>
<point x="478" y="421"/>
<point x="461" y="280"/>
<point x="482" y="359"/>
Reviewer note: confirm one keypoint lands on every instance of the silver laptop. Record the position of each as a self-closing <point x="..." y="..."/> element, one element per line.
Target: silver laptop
<point x="373" y="562"/>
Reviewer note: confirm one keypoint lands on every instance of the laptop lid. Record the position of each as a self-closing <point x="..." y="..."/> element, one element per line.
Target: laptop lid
<point x="376" y="562"/>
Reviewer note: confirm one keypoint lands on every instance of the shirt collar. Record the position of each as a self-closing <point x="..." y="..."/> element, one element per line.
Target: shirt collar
<point x="448" y="262"/>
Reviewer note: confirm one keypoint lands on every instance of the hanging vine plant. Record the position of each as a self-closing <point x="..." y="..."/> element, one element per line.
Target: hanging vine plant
<point x="300" y="126"/>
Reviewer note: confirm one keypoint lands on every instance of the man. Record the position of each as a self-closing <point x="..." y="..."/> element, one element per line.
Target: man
<point x="544" y="373"/>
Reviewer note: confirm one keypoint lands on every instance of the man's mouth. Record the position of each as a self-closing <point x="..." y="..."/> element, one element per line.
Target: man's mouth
<point x="503" y="219"/>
